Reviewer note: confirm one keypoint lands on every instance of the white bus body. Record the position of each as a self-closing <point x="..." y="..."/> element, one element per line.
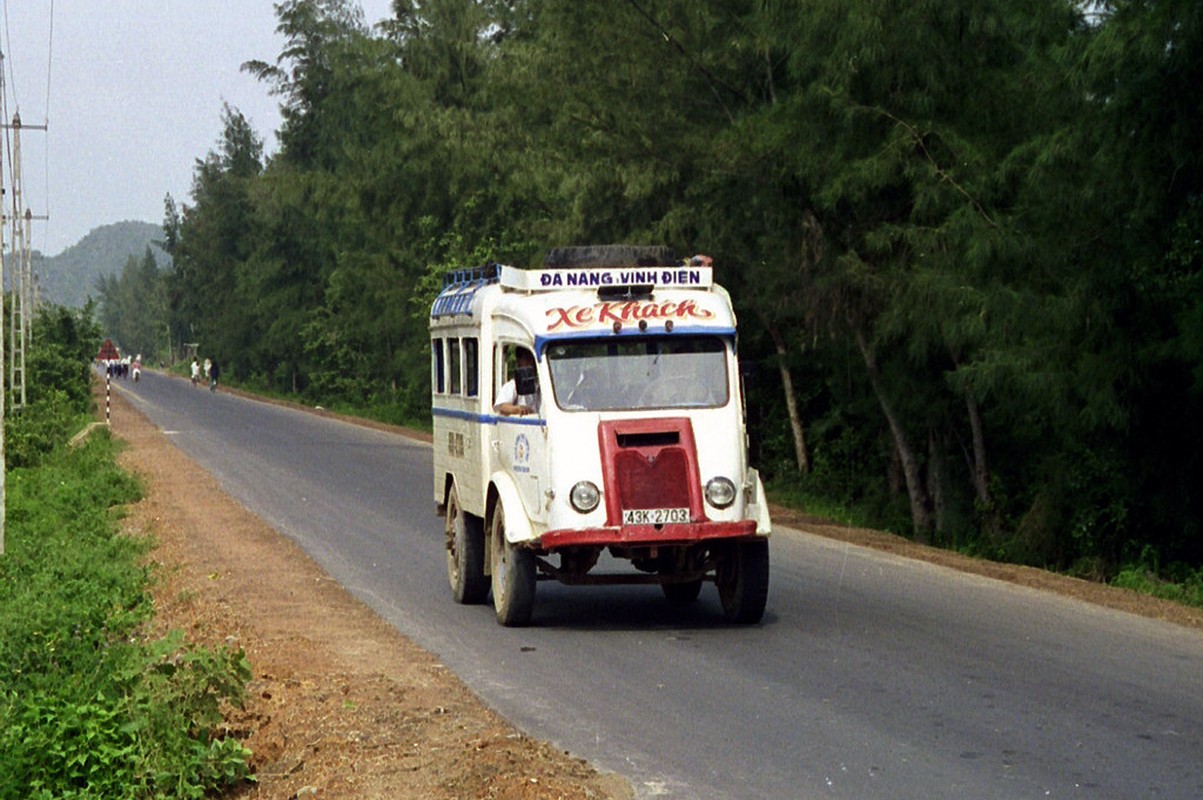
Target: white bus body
<point x="635" y="442"/>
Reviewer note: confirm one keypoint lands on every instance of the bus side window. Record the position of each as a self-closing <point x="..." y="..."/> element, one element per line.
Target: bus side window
<point x="453" y="366"/>
<point x="471" y="368"/>
<point x="438" y="378"/>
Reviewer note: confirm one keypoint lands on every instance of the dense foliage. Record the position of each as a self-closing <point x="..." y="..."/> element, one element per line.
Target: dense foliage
<point x="964" y="237"/>
<point x="57" y="387"/>
<point x="90" y="705"/>
<point x="133" y="309"/>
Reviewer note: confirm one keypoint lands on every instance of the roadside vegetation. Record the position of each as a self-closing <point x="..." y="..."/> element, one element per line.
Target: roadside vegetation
<point x="93" y="703"/>
<point x="963" y="238"/>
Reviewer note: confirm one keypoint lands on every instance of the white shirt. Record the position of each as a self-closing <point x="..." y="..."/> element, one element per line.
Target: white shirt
<point x="509" y="394"/>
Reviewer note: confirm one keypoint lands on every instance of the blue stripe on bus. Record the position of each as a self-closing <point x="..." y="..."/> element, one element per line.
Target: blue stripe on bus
<point x="485" y="419"/>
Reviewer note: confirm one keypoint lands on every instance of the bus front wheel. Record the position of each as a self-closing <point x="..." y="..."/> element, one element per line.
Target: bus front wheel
<point x="743" y="581"/>
<point x="514" y="574"/>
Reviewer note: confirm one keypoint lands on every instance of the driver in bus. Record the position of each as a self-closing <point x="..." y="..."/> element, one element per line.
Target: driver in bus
<point x="519" y="396"/>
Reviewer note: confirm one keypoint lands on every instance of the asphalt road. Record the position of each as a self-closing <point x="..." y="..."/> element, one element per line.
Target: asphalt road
<point x="871" y="676"/>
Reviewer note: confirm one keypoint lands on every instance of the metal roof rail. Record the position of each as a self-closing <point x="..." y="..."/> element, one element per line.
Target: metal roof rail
<point x="460" y="287"/>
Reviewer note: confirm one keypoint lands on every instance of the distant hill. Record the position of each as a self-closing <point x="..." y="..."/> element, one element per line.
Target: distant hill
<point x="69" y="278"/>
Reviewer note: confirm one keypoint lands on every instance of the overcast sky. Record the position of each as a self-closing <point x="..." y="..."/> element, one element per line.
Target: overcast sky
<point x="131" y="93"/>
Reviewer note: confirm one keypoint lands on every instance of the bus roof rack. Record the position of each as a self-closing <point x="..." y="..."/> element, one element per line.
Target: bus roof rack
<point x="459" y="287"/>
<point x="610" y="255"/>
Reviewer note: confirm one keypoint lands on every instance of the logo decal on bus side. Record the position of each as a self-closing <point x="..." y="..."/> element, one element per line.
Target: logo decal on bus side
<point x="521" y="453"/>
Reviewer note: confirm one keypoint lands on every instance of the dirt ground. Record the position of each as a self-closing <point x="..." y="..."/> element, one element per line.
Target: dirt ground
<point x="340" y="704"/>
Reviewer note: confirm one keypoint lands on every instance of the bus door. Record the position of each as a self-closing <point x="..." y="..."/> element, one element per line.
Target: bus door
<point x="520" y="432"/>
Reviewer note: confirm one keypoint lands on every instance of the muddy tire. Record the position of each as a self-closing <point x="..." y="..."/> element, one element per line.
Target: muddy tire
<point x="743" y="581"/>
<point x="514" y="575"/>
<point x="465" y="539"/>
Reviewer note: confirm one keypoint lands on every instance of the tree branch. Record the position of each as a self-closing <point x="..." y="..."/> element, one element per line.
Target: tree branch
<point x="913" y="132"/>
<point x="715" y="81"/>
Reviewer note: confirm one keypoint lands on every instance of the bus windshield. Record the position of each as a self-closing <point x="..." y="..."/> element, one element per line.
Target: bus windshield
<point x="622" y="373"/>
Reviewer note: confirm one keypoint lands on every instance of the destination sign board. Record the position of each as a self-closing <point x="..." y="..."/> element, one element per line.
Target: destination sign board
<point x="674" y="277"/>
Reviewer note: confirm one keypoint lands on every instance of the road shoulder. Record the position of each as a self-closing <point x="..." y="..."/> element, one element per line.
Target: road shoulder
<point x="340" y="704"/>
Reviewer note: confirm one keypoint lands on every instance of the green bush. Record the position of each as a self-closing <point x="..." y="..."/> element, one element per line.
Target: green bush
<point x="89" y="706"/>
<point x="37" y="430"/>
<point x="56" y="370"/>
<point x="1178" y="582"/>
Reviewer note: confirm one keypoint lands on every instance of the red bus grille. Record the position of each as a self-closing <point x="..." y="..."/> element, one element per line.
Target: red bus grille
<point x="650" y="464"/>
<point x="658" y="481"/>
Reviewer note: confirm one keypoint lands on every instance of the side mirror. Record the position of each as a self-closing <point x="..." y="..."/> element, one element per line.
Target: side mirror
<point x="526" y="381"/>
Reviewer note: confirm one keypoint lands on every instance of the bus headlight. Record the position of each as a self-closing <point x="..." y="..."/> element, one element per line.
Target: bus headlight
<point x="720" y="492"/>
<point x="584" y="496"/>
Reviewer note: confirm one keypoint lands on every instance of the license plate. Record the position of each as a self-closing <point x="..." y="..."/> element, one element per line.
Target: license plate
<point x="654" y="516"/>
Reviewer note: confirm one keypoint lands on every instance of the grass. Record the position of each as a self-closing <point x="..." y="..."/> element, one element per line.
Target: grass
<point x="91" y="705"/>
<point x="796" y="498"/>
<point x="1180" y="583"/>
<point x="1187" y="590"/>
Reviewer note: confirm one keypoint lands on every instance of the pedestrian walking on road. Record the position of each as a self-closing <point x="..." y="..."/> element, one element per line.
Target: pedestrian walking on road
<point x="214" y="372"/>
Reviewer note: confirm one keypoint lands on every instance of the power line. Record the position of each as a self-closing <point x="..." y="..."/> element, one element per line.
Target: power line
<point x="12" y="75"/>
<point x="49" y="60"/>
<point x="11" y="94"/>
<point x="46" y="117"/>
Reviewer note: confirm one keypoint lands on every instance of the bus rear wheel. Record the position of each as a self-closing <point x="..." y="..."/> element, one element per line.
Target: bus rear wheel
<point x="465" y="539"/>
<point x="514" y="575"/>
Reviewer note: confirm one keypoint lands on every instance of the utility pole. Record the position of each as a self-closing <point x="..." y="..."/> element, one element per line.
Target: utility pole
<point x="16" y="330"/>
<point x="22" y="272"/>
<point x="3" y="392"/>
<point x="22" y="296"/>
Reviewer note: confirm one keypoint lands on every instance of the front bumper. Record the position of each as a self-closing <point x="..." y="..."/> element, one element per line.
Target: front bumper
<point x="648" y="535"/>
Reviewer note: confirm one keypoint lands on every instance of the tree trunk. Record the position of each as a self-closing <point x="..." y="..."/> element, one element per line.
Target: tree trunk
<point x="920" y="513"/>
<point x="981" y="473"/>
<point x="936" y="483"/>
<point x="894" y="477"/>
<point x="791" y="401"/>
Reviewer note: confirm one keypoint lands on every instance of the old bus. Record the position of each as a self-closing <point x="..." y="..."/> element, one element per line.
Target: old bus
<point x="591" y="412"/>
